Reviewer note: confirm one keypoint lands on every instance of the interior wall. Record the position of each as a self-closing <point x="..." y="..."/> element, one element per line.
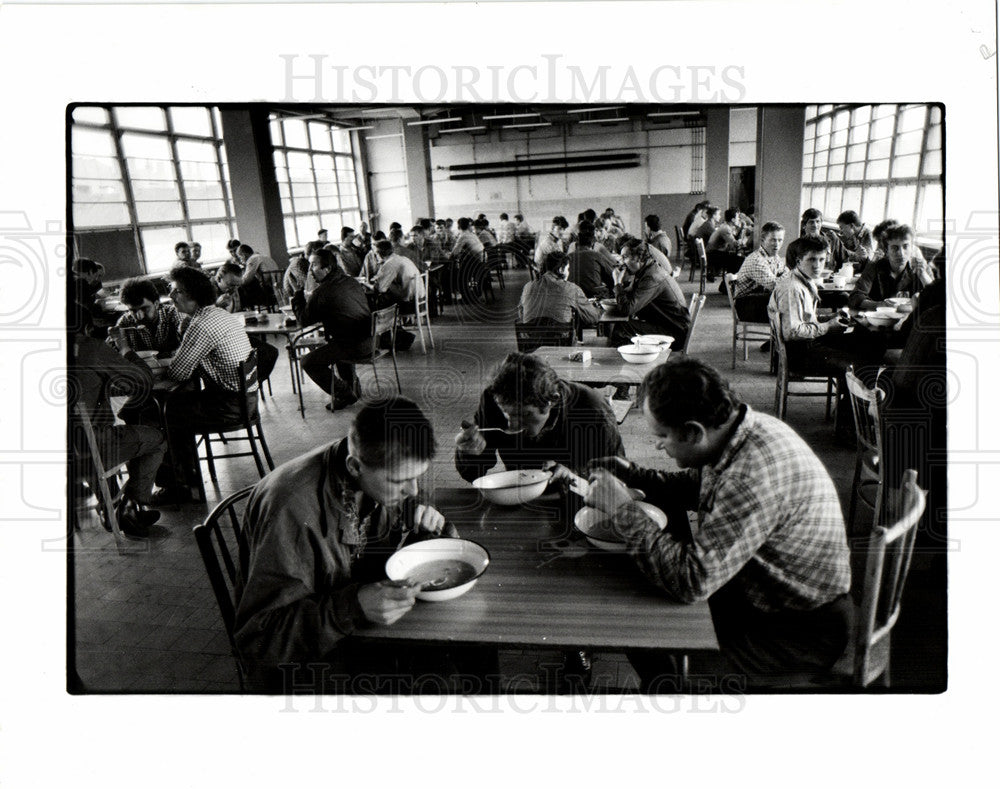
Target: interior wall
<point x="665" y="168"/>
<point x="385" y="157"/>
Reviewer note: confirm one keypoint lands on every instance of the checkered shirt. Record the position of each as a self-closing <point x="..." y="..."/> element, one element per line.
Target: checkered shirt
<point x="758" y="273"/>
<point x="215" y="342"/>
<point x="164" y="336"/>
<point x="768" y="521"/>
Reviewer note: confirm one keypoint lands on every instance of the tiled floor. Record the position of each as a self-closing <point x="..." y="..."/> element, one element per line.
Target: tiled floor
<point x="148" y="621"/>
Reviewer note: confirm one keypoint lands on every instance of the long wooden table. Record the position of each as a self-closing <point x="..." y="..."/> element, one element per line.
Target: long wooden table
<point x="605" y="367"/>
<point x="547" y="587"/>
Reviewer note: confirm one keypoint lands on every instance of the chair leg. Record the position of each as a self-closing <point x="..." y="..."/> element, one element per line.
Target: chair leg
<point x="291" y="368"/>
<point x="399" y="386"/>
<point x="263" y="446"/>
<point x="107" y="504"/>
<point x="420" y="328"/>
<point x="829" y="397"/>
<point x="256" y="454"/>
<point x="735" y="339"/>
<point x="298" y="375"/>
<point x="209" y="458"/>
<point x="378" y="385"/>
<point x="853" y="508"/>
<point x="430" y="334"/>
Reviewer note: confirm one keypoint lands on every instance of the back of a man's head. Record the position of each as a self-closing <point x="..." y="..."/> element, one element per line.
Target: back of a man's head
<point x="555" y="262"/>
<point x="688" y="390"/>
<point x="312" y="246"/>
<point x="464" y="223"/>
<point x="849" y="218"/>
<point x="503" y="217"/>
<point x="196" y="284"/>
<point x="231" y="269"/>
<point x="384" y="247"/>
<point x="519" y="217"/>
<point x="590" y="215"/>
<point x="653" y="222"/>
<point x="245" y="249"/>
<point x="560" y="221"/>
<point x="585" y="234"/>
<point x="387" y="432"/>
<point x="396" y="235"/>
<point x="731" y="214"/>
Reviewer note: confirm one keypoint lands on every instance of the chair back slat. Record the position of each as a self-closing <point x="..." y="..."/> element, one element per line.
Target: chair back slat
<point x="866" y="406"/>
<point x="699" y="246"/>
<point x="730" y="280"/>
<point x="532" y="335"/>
<point x="890" y="551"/>
<point x="694" y="310"/>
<point x="383" y="321"/>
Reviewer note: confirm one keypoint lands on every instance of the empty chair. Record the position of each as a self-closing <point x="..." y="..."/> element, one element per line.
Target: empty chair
<point x="694" y="310"/>
<point x="421" y="310"/>
<point x="248" y="422"/>
<point x="532" y="335"/>
<point x="224" y="552"/>
<point x="747" y="330"/>
<point x="682" y="251"/>
<point x="869" y="470"/>
<point x="787" y="377"/>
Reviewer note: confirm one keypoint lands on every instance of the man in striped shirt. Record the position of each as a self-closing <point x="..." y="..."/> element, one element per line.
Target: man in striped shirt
<point x="767" y="549"/>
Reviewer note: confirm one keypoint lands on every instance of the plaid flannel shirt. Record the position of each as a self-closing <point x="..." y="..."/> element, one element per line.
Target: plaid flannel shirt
<point x="768" y="521"/>
<point x="216" y="342"/>
<point x="164" y="336"/>
<point x="758" y="274"/>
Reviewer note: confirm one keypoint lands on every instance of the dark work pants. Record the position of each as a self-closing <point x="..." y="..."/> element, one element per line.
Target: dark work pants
<point x="318" y="362"/>
<point x="752" y="308"/>
<point x="141" y="448"/>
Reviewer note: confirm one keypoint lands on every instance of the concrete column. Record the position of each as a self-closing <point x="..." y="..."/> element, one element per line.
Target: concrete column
<point x="418" y="172"/>
<point x="255" y="189"/>
<point x="717" y="156"/>
<point x="778" y="197"/>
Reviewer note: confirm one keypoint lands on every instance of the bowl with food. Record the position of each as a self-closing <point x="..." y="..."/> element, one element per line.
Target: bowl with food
<point x="510" y="488"/>
<point x="608" y="304"/>
<point x="443" y="568"/>
<point x="661" y="341"/>
<point x="146" y="355"/>
<point x="881" y="320"/>
<point x="598" y="526"/>
<point x="634" y="353"/>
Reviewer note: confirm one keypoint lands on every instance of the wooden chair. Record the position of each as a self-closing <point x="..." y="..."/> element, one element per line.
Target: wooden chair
<point x="694" y="310"/>
<point x="749" y="330"/>
<point x="422" y="313"/>
<point x="699" y="246"/>
<point x="247" y="422"/>
<point x="299" y="345"/>
<point x="495" y="259"/>
<point x="102" y="478"/>
<point x="268" y="294"/>
<point x="384" y="323"/>
<point x="682" y="252"/>
<point x="532" y="335"/>
<point x="889" y="552"/>
<point x="224" y="552"/>
<point x="869" y="471"/>
<point x="786" y="377"/>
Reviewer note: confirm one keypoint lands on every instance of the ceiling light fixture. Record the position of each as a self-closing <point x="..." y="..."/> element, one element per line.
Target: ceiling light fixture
<point x="432" y="121"/>
<point x="511" y="117"/>
<point x="591" y="109"/>
<point x="463" y="129"/>
<point x="672" y="114"/>
<point x="525" y="125"/>
<point x="603" y="120"/>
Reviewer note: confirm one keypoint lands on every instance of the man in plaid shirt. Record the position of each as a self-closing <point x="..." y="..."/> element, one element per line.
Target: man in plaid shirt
<point x="213" y="346"/>
<point x="767" y="549"/>
<point x="149" y="324"/>
<point x="758" y="275"/>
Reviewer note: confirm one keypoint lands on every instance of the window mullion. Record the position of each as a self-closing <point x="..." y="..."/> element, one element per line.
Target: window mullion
<point x="133" y="214"/>
<point x="172" y="139"/>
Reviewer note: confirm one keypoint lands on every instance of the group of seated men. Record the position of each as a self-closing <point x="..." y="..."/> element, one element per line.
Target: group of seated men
<point x="769" y="552"/>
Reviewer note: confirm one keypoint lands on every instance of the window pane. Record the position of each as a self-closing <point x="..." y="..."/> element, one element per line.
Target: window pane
<point x="96" y="167"/>
<point x="882" y="128"/>
<point x="934" y="138"/>
<point x="837" y="155"/>
<point x="302" y="189"/>
<point x="823" y="126"/>
<point x="158" y="244"/>
<point x="905" y="166"/>
<point x="307" y="227"/>
<point x="90" y="115"/>
<point x="291" y="237"/>
<point x="931" y="210"/>
<point x="932" y="163"/>
<point x="810" y="111"/>
<point x="99" y="215"/>
<point x="327" y="189"/>
<point x="155" y="190"/>
<point x="841" y="120"/>
<point x="861" y="115"/>
<point x="146" y="146"/>
<point x="191" y="151"/>
<point x="203" y="190"/>
<point x="852" y="198"/>
<point x="856" y="153"/>
<point x="909" y="143"/>
<point x="191" y="120"/>
<point x="873" y="204"/>
<point x="276" y="136"/>
<point x="808" y="146"/>
<point x="88" y="190"/>
<point x="323" y="165"/>
<point x="821" y="158"/>
<point x="92" y="142"/>
<point x="902" y="202"/>
<point x="329" y="203"/>
<point x="878" y="170"/>
<point x="199" y="171"/>
<point x="935" y="115"/>
<point x="319" y="137"/>
<point x="838" y="138"/>
<point x="205" y="209"/>
<point x="295" y="134"/>
<point x="912" y="118"/>
<point x="151" y="118"/>
<point x="807" y="163"/>
<point x="859" y="134"/>
<point x="855" y="172"/>
<point x="286" y="205"/>
<point x="883" y="110"/>
<point x="341" y="141"/>
<point x="158" y="211"/>
<point x="880" y="149"/>
<point x="833" y="195"/>
<point x="213" y="238"/>
<point x="822" y="143"/>
<point x="835" y="172"/>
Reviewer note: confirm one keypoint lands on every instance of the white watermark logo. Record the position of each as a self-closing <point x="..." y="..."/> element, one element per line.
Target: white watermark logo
<point x="316" y="78"/>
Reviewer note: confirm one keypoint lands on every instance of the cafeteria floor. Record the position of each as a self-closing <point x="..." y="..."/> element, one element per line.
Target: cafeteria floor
<point x="149" y="623"/>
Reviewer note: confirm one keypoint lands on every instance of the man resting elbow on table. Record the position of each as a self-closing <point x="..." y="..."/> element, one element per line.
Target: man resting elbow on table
<point x="768" y="549"/>
<point x="319" y="530"/>
<point x="561" y="424"/>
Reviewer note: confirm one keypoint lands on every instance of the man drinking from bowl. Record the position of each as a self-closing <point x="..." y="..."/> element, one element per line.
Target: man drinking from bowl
<point x="768" y="549"/>
<point x="898" y="272"/>
<point x="319" y="530"/>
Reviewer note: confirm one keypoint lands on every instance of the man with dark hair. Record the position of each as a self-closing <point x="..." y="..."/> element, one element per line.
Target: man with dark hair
<point x="256" y="291"/>
<point x="656" y="236"/>
<point x="319" y="530"/>
<point x="296" y="275"/>
<point x="195" y="261"/>
<point x="400" y="248"/>
<point x="212" y="348"/>
<point x="551" y="299"/>
<point x="232" y="245"/>
<point x="723" y="248"/>
<point x="340" y="304"/>
<point x="651" y="296"/>
<point x="898" y="272"/>
<point x="588" y="268"/>
<point x="149" y="324"/>
<point x="183" y="252"/>
<point x="552" y="242"/>
<point x="505" y="230"/>
<point x="484" y="233"/>
<point x="349" y="253"/>
<point x="228" y="279"/>
<point x="467" y="257"/>
<point x="769" y="552"/>
<point x="758" y="275"/>
<point x="323" y="235"/>
<point x="812" y="227"/>
<point x="561" y="422"/>
<point x="694" y="218"/>
<point x="857" y="238"/>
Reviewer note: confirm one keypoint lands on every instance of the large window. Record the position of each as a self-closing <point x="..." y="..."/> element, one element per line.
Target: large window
<point x="315" y="167"/>
<point x="883" y="161"/>
<point x="159" y="170"/>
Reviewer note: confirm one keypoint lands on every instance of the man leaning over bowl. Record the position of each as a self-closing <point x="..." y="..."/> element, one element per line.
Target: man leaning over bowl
<point x="561" y="425"/>
<point x="319" y="530"/>
<point x="768" y="549"/>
